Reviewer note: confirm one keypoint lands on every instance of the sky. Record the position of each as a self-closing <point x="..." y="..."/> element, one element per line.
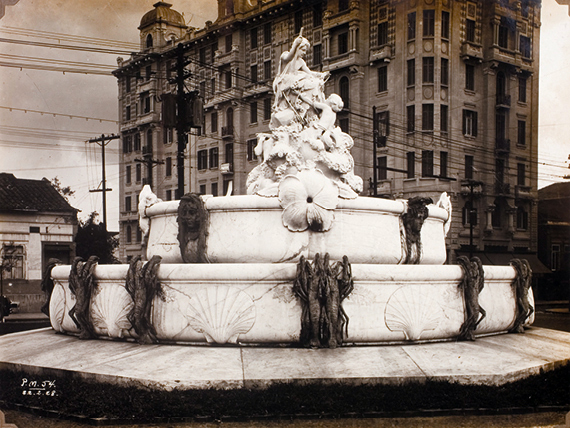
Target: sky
<point x="47" y="116"/>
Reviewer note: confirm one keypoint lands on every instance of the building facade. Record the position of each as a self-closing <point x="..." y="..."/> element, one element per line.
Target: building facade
<point x="36" y="224"/>
<point x="439" y="96"/>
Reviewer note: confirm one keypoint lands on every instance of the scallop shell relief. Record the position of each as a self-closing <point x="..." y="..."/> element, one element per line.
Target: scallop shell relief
<point x="221" y="313"/>
<point x="412" y="311"/>
<point x="110" y="307"/>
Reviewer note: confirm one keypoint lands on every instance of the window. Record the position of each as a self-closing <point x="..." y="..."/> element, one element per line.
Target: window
<point x="253" y="38"/>
<point x="226" y="186"/>
<point x="202" y="55"/>
<point x="555" y="257"/>
<point x="214" y="122"/>
<point x="382" y="164"/>
<point x="145" y="102"/>
<point x="138" y="173"/>
<point x="427" y="163"/>
<point x="521" y="171"/>
<point x="202" y="159"/>
<point x="253" y="112"/>
<point x="344" y="89"/>
<point x="128" y="84"/>
<point x="525" y="46"/>
<point x="298" y="21"/>
<point x="127" y="144"/>
<point x="469" y="77"/>
<point x="503" y="36"/>
<point x="149" y="139"/>
<point x="128" y="113"/>
<point x="203" y="89"/>
<point x="522" y="133"/>
<point x="469" y="167"/>
<point x="228" y="78"/>
<point x="229" y="153"/>
<point x="470" y="31"/>
<point x="344" y="124"/>
<point x="148" y="72"/>
<point x="411" y="163"/>
<point x="411" y="72"/>
<point x="266" y="36"/>
<point x="443" y="162"/>
<point x="411" y="115"/>
<point x="13" y="261"/>
<point x="229" y="7"/>
<point x="343" y="43"/>
<point x="429" y="23"/>
<point x="342" y="5"/>
<point x="469" y="214"/>
<point x="128" y="174"/>
<point x="251" y="144"/>
<point x="317" y="15"/>
<point x="383" y="79"/>
<point x="138" y="233"/>
<point x="522" y="218"/>
<point x="383" y="127"/>
<point x="253" y="73"/>
<point x="267" y="109"/>
<point x="500" y="126"/>
<point x="127" y="203"/>
<point x="497" y="214"/>
<point x="213" y="49"/>
<point x="129" y="234"/>
<point x="470" y="123"/>
<point x="168" y="166"/>
<point x="383" y="33"/>
<point x="522" y="89"/>
<point x="212" y="86"/>
<point x="427" y="117"/>
<point x="214" y="187"/>
<point x="444" y="71"/>
<point x="137" y="142"/>
<point x="427" y="70"/>
<point x="444" y="25"/>
<point x="411" y="26"/>
<point x="229" y="42"/>
<point x="213" y="155"/>
<point x="149" y="41"/>
<point x="317" y="55"/>
<point x="169" y="195"/>
<point x="202" y="189"/>
<point x="267" y="70"/>
<point x="443" y="118"/>
<point x="499" y="171"/>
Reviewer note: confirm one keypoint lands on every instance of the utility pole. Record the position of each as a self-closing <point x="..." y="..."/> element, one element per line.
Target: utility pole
<point x="472" y="213"/>
<point x="149" y="162"/>
<point x="103" y="140"/>
<point x="181" y="76"/>
<point x="375" y="138"/>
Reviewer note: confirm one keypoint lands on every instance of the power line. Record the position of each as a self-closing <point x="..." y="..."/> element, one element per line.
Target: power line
<point x="71" y="116"/>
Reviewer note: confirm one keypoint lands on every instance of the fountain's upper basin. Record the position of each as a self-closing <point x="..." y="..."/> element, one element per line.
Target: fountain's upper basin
<point x="249" y="229"/>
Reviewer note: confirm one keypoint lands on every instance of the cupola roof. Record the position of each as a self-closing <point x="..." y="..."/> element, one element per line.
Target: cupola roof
<point x="162" y="12"/>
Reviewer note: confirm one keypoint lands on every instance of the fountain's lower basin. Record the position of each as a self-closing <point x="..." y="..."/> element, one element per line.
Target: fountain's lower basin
<point x="255" y="304"/>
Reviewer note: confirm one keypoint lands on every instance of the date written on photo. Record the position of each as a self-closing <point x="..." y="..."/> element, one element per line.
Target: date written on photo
<point x="39" y="387"/>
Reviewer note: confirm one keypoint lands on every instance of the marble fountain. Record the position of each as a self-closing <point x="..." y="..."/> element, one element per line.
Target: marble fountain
<point x="300" y="260"/>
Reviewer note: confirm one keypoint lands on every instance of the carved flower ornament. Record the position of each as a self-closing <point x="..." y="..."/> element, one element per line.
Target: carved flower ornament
<point x="308" y="200"/>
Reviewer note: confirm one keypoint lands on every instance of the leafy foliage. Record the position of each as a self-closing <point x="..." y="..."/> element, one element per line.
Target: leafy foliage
<point x="92" y="239"/>
<point x="66" y="191"/>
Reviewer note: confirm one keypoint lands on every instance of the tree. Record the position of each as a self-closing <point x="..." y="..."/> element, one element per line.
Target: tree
<point x="92" y="239"/>
<point x="66" y="191"/>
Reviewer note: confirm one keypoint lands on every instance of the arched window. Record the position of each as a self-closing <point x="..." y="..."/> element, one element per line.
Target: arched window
<point x="149" y="41"/>
<point x="522" y="218"/>
<point x="344" y="89"/>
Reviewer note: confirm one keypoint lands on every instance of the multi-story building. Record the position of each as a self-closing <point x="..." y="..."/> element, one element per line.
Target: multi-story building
<point x="439" y="96"/>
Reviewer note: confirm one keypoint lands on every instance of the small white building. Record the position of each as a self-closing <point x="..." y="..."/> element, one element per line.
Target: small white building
<point x="36" y="224"/>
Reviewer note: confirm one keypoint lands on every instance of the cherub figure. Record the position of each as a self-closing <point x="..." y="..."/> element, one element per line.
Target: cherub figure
<point x="324" y="127"/>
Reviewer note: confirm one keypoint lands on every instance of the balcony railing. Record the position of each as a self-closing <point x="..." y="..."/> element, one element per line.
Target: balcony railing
<point x="227" y="131"/>
<point x="502" y="188"/>
<point x="523" y="192"/>
<point x="503" y="101"/>
<point x="502" y="145"/>
<point x="227" y="168"/>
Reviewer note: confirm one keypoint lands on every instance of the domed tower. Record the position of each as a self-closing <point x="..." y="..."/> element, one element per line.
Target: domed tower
<point x="161" y="26"/>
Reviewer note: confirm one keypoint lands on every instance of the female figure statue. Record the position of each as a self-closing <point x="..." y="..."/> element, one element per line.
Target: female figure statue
<point x="293" y="79"/>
